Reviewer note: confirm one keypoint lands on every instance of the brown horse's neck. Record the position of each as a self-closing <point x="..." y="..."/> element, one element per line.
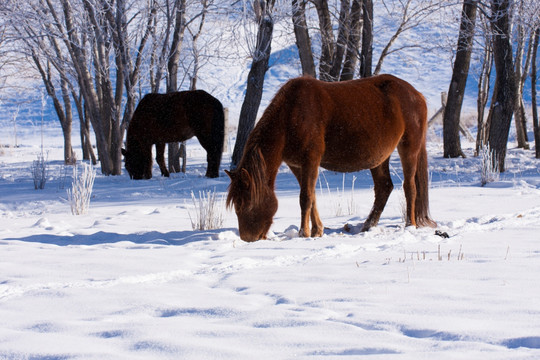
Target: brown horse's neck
<point x="264" y="150"/>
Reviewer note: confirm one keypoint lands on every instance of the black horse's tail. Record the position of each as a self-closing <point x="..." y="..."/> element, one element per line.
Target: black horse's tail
<point x="218" y="139"/>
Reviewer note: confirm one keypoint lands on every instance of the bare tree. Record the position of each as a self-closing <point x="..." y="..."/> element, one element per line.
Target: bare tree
<point x="366" y="56"/>
<point x="178" y="14"/>
<point x="263" y="10"/>
<point x="91" y="42"/>
<point x="339" y="52"/>
<point x="534" y="75"/>
<point x="407" y="15"/>
<point x="525" y="20"/>
<point x="38" y="44"/>
<point x="502" y="102"/>
<point x="456" y="91"/>
<point x="484" y="84"/>
<point x="303" y="41"/>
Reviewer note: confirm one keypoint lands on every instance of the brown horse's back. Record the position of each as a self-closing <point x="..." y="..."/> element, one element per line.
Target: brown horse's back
<point x="357" y="123"/>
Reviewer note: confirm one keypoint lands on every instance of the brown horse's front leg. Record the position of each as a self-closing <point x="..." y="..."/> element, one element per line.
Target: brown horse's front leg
<point x="317" y="228"/>
<point x="383" y="186"/>
<point x="160" y="158"/>
<point x="308" y="204"/>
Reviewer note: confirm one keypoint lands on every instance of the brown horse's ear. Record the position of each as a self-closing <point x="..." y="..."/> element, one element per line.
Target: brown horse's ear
<point x="245" y="177"/>
<point x="124" y="152"/>
<point x="231" y="174"/>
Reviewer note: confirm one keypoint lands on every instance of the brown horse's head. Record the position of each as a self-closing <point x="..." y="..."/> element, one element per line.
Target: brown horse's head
<point x="253" y="199"/>
<point x="138" y="163"/>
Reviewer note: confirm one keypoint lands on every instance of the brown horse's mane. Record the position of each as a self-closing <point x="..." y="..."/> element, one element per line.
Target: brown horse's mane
<point x="254" y="164"/>
<point x="263" y="136"/>
<point x="253" y="160"/>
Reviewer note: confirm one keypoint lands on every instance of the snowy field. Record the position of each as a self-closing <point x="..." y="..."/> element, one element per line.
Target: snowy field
<point x="131" y="279"/>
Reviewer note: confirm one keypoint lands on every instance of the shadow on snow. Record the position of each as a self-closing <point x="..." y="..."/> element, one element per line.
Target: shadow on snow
<point x="173" y="238"/>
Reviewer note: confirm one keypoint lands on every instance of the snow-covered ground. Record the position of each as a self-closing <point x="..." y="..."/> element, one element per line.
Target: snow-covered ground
<point x="131" y="279"/>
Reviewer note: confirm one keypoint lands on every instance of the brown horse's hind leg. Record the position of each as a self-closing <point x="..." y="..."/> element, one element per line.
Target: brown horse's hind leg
<point x="308" y="205"/>
<point x="409" y="164"/>
<point x="383" y="187"/>
<point x="160" y="158"/>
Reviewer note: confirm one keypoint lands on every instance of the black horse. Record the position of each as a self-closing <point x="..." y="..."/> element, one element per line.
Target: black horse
<point x="173" y="117"/>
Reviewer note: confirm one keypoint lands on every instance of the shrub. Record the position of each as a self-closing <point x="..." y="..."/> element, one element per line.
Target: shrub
<point x="208" y="211"/>
<point x="81" y="189"/>
<point x="39" y="172"/>
<point x="489" y="166"/>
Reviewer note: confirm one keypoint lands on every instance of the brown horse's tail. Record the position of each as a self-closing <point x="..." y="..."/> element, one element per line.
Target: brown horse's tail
<point x="421" y="179"/>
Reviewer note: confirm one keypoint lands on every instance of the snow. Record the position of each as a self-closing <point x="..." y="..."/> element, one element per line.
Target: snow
<point x="131" y="279"/>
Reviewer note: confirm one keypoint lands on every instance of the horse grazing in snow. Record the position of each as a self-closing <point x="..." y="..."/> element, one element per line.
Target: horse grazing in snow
<point x="342" y="126"/>
<point x="173" y="117"/>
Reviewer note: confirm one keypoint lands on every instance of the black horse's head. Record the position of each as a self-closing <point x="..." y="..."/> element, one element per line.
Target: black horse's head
<point x="138" y="164"/>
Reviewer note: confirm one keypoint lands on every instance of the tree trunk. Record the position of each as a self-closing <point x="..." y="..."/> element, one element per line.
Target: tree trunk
<point x="534" y="73"/>
<point x="353" y="43"/>
<point x="502" y="103"/>
<point x="255" y="82"/>
<point x="456" y="91"/>
<point x="520" y="118"/>
<point x="303" y="41"/>
<point x="483" y="94"/>
<point x="342" y="40"/>
<point x="84" y="127"/>
<point x="69" y="154"/>
<point x="366" y="57"/>
<point x="172" y="78"/>
<point x="65" y="115"/>
<point x="327" y="39"/>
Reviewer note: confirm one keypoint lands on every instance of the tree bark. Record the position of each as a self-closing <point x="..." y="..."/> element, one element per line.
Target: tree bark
<point x="172" y="77"/>
<point x="255" y="82"/>
<point x="534" y="73"/>
<point x="484" y="84"/>
<point x="353" y="43"/>
<point x="366" y="57"/>
<point x="502" y="103"/>
<point x="520" y="119"/>
<point x="303" y="41"/>
<point x="456" y="91"/>
<point x="342" y="40"/>
<point x="84" y="129"/>
<point x="327" y="39"/>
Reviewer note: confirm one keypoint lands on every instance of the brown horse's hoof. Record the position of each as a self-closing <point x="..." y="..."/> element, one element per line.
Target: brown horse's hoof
<point x="317" y="233"/>
<point x="302" y="233"/>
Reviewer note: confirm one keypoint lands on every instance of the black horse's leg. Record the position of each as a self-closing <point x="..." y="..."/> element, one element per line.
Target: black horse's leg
<point x="160" y="158"/>
<point x="383" y="186"/>
<point x="214" y="150"/>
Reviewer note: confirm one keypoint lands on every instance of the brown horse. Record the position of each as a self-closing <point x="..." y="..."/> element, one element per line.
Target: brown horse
<point x="173" y="117"/>
<point x="343" y="126"/>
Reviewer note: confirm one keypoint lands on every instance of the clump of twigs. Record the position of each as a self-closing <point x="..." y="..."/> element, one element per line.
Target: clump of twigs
<point x="208" y="211"/>
<point x="489" y="166"/>
<point x="81" y="190"/>
<point x="39" y="172"/>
